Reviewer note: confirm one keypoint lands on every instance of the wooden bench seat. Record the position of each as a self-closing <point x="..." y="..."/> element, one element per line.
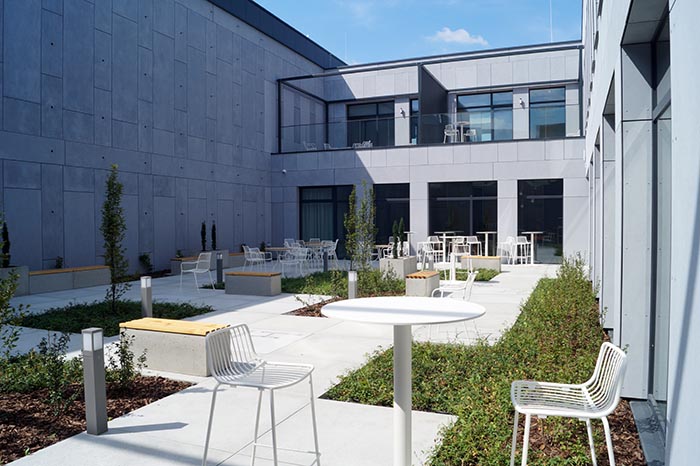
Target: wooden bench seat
<point x="171" y="345"/>
<point x="422" y="283"/>
<point x="68" y="270"/>
<point x="423" y="274"/>
<point x="254" y="283"/>
<point x="253" y="274"/>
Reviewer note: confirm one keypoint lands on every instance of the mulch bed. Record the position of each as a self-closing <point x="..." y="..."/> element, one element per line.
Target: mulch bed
<point x="28" y="423"/>
<point x="625" y="438"/>
<point x="312" y="310"/>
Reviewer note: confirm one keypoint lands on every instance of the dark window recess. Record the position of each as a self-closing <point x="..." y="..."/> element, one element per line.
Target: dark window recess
<point x="489" y="115"/>
<point x="415" y="120"/>
<point x="548" y="113"/>
<point x="392" y="202"/>
<point x="372" y="122"/>
<point x="321" y="213"/>
<point x="540" y="208"/>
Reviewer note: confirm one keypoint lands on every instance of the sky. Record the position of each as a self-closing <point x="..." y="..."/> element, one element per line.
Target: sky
<point x="365" y="31"/>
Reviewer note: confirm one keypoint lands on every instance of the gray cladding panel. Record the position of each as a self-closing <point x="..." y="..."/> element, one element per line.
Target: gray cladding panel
<point x="22" y="53"/>
<point x="23" y="217"/>
<point x="124" y="70"/>
<point x="79" y="225"/>
<point x="51" y="43"/>
<point x="164" y="231"/>
<point x="78" y="55"/>
<point x="52" y="103"/>
<point x="52" y="211"/>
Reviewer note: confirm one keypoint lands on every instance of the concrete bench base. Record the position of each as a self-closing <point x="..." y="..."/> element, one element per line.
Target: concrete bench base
<point x="254" y="283"/>
<point x="422" y="283"/>
<point x="482" y="262"/>
<point x="167" y="350"/>
<point x="45" y="281"/>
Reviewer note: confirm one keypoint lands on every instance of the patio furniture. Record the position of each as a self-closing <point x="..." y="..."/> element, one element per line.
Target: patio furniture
<point x="422" y="283"/>
<point x="450" y="131"/>
<point x="253" y="257"/>
<point x="253" y="283"/>
<point x="487" y="250"/>
<point x="330" y="248"/>
<point x="532" y="243"/>
<point x="522" y="249"/>
<point x="473" y="241"/>
<point x="461" y="289"/>
<point x="401" y="312"/>
<point x="233" y="361"/>
<point x="427" y="251"/>
<point x="594" y="399"/>
<point x="508" y="248"/>
<point x="201" y="265"/>
<point x="310" y="146"/>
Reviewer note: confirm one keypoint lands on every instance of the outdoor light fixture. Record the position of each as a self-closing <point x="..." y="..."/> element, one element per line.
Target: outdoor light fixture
<point x="352" y="284"/>
<point x="94" y="380"/>
<point x="522" y="102"/>
<point x="219" y="268"/>
<point x="146" y="297"/>
<point x="403" y="113"/>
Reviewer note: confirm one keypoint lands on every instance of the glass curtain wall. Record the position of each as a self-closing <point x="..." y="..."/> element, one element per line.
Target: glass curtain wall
<point x="548" y="113"/>
<point x="322" y="211"/>
<point x="371" y="122"/>
<point x="392" y="202"/>
<point x="464" y="207"/>
<point x="490" y="115"/>
<point x="540" y="208"/>
<point x="415" y="120"/>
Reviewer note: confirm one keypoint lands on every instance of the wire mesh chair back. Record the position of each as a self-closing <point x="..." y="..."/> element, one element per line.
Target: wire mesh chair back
<point x="203" y="261"/>
<point x="605" y="384"/>
<point x="230" y="352"/>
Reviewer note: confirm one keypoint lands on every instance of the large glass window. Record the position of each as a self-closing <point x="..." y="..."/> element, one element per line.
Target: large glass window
<point x="490" y="115"/>
<point x="322" y="211"/>
<point x="541" y="208"/>
<point x="464" y="207"/>
<point x="392" y="202"/>
<point x="372" y="122"/>
<point x="415" y="120"/>
<point x="548" y="113"/>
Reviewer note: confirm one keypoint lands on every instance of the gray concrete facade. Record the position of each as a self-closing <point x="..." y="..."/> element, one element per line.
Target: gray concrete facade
<point x="181" y="95"/>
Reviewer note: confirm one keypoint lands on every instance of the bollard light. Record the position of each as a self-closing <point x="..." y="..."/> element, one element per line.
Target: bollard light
<point x="146" y="297"/>
<point x="219" y="268"/>
<point x="352" y="284"/>
<point x="94" y="380"/>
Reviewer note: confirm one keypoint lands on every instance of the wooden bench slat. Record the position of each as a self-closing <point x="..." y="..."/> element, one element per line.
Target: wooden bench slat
<point x="253" y="274"/>
<point x="236" y="253"/>
<point x="184" y="327"/>
<point x="85" y="268"/>
<point x="185" y="259"/>
<point x="422" y="274"/>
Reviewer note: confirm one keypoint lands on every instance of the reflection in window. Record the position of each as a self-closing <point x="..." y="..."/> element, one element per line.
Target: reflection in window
<point x="490" y="115"/>
<point x="392" y="202"/>
<point x="548" y="113"/>
<point x="322" y="211"/>
<point x="464" y="207"/>
<point x="540" y="208"/>
<point x="371" y="122"/>
<point x="415" y="120"/>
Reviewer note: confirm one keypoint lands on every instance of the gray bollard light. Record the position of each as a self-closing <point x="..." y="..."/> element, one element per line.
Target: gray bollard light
<point x="146" y="297"/>
<point x="219" y="268"/>
<point x="352" y="284"/>
<point x="94" y="380"/>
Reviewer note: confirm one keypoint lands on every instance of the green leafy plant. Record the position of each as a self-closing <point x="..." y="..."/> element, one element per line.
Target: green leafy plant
<point x="145" y="261"/>
<point x="5" y="245"/>
<point x="10" y="317"/>
<point x="262" y="246"/>
<point x="178" y="253"/>
<point x="113" y="230"/>
<point x="213" y="236"/>
<point x="395" y="240"/>
<point x="203" y="234"/>
<point x="58" y="264"/>
<point x="400" y="232"/>
<point x="52" y="350"/>
<point x="360" y="227"/>
<point x="123" y="367"/>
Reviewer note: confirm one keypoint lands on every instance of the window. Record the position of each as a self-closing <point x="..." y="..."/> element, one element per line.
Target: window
<point x="321" y="213"/>
<point x="392" y="202"/>
<point x="371" y="122"/>
<point x="464" y="207"/>
<point x="415" y="120"/>
<point x="490" y="115"/>
<point x="548" y="113"/>
<point x="540" y="208"/>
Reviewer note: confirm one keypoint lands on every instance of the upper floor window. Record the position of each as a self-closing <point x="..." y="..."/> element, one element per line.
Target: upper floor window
<point x="415" y="120"/>
<point x="548" y="113"/>
<point x="489" y="117"/>
<point x="373" y="122"/>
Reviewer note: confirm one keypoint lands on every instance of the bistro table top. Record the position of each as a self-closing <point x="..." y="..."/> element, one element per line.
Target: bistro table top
<point x="484" y="232"/>
<point x="403" y="310"/>
<point x="532" y="232"/>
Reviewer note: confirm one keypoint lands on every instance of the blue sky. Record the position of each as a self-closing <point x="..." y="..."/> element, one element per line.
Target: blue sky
<point x="363" y="31"/>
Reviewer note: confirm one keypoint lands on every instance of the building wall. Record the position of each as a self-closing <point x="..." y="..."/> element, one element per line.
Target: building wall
<point x="179" y="94"/>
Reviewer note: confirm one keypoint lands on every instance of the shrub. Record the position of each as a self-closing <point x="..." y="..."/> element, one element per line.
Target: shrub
<point x="122" y="367"/>
<point x="145" y="261"/>
<point x="5" y="246"/>
<point x="203" y="236"/>
<point x="213" y="236"/>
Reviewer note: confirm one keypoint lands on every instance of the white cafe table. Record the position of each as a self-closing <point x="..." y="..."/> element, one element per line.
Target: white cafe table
<point x="402" y="312"/>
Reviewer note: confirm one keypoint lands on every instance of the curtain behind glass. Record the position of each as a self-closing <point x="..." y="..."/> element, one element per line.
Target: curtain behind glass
<point x="317" y="220"/>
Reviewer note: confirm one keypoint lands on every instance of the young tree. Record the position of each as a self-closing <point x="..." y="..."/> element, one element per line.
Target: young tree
<point x="350" y="223"/>
<point x="213" y="236"/>
<point x="5" y="245"/>
<point x="203" y="234"/>
<point x="401" y="232"/>
<point x="10" y="318"/>
<point x="359" y="227"/>
<point x="395" y="240"/>
<point x="113" y="229"/>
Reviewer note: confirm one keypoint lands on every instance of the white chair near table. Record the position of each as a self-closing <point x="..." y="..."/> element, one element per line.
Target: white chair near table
<point x="522" y="249"/>
<point x="201" y="265"/>
<point x="454" y="289"/>
<point x="594" y="399"/>
<point x="450" y="131"/>
<point x="253" y="257"/>
<point x="473" y="241"/>
<point x="233" y="361"/>
<point x="507" y="248"/>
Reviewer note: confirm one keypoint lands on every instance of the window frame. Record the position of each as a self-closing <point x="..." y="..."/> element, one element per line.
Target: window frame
<point x="491" y="108"/>
<point x="546" y="104"/>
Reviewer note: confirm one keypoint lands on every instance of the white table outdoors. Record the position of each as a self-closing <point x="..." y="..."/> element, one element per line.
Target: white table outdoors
<point x="402" y="312"/>
<point x="532" y="243"/>
<point x="486" y="235"/>
<point x="444" y="240"/>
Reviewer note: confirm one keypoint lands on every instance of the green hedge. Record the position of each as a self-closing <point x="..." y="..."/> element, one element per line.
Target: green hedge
<point x="555" y="338"/>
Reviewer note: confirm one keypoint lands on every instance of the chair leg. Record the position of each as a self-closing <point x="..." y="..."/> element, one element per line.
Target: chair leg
<point x="273" y="428"/>
<point x="526" y="440"/>
<point x="590" y="442"/>
<point x="257" y="426"/>
<point x="196" y="285"/>
<point x="211" y="280"/>
<point x="313" y="420"/>
<point x="211" y="416"/>
<point x="181" y="278"/>
<point x="515" y="439"/>
<point x="608" y="441"/>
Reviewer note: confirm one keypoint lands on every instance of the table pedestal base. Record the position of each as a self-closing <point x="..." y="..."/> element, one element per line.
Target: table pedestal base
<point x="402" y="395"/>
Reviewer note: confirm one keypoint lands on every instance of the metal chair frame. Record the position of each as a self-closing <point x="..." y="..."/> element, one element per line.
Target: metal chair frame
<point x="201" y="265"/>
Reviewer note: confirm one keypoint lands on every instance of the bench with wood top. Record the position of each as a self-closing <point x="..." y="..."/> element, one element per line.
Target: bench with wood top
<point x="254" y="283"/>
<point x="482" y="262"/>
<point x="171" y="345"/>
<point x="422" y="283"/>
<point x="44" y="281"/>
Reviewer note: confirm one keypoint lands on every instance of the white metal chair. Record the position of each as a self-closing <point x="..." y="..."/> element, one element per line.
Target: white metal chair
<point x="310" y="145"/>
<point x="455" y="289"/>
<point x="507" y="247"/>
<point x="522" y="249"/>
<point x="473" y="241"/>
<point x="594" y="399"/>
<point x="233" y="361"/>
<point x="201" y="265"/>
<point x="450" y="131"/>
<point x="253" y="257"/>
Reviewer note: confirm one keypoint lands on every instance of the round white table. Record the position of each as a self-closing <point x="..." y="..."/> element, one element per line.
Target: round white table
<point x="486" y="234"/>
<point x="532" y="244"/>
<point x="402" y="312"/>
